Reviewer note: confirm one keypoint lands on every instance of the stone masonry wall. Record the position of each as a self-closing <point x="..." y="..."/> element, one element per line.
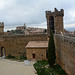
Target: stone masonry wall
<point x="15" y="44"/>
<point x="1" y="28"/>
<point x="59" y="24"/>
<point x="40" y="53"/>
<point x="58" y="21"/>
<point x="65" y="52"/>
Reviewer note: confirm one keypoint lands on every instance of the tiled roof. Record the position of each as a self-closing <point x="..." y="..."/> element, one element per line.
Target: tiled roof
<point x="37" y="44"/>
<point x="20" y="26"/>
<point x="35" y="31"/>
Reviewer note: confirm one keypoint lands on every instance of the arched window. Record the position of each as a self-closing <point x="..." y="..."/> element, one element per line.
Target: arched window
<point x="51" y="23"/>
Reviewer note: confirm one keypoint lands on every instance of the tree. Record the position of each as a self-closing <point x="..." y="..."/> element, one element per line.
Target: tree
<point x="51" y="50"/>
<point x="8" y="31"/>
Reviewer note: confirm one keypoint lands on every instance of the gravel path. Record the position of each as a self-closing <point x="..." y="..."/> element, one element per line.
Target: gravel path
<point x="8" y="67"/>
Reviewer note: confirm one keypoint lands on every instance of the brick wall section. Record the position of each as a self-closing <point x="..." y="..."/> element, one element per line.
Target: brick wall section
<point x="65" y="53"/>
<point x="15" y="44"/>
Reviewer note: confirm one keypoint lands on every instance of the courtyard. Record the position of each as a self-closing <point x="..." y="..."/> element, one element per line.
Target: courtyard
<point x="8" y="67"/>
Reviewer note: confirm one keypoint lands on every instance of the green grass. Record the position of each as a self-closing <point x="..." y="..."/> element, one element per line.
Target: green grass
<point x="42" y="70"/>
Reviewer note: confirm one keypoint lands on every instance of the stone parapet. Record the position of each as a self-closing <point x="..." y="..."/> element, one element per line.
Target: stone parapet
<point x="65" y="52"/>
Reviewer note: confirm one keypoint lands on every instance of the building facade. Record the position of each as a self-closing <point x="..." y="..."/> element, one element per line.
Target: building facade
<point x="21" y="27"/>
<point x="37" y="50"/>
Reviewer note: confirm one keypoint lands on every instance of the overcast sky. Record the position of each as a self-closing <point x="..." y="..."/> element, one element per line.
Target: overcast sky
<point x="32" y="12"/>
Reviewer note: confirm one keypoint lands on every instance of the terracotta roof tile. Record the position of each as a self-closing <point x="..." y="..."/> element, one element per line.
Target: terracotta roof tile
<point x="33" y="44"/>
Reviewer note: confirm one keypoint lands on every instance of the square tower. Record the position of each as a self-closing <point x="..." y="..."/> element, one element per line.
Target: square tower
<point x="2" y="28"/>
<point x="55" y="21"/>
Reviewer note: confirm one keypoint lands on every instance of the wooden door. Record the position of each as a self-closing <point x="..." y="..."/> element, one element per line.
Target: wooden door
<point x="33" y="56"/>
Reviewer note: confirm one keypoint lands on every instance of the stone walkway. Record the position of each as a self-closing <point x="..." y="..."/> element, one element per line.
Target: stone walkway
<point x="8" y="67"/>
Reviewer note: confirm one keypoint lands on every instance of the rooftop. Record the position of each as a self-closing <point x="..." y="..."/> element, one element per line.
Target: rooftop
<point x="36" y="44"/>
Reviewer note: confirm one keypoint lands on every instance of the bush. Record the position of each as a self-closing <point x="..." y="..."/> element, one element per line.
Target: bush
<point x="10" y="57"/>
<point x="21" y="58"/>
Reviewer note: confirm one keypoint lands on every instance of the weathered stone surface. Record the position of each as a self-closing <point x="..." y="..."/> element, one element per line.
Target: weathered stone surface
<point x="2" y="28"/>
<point x="40" y="53"/>
<point x="37" y="50"/>
<point x="58" y="20"/>
<point x="65" y="53"/>
<point x="15" y="44"/>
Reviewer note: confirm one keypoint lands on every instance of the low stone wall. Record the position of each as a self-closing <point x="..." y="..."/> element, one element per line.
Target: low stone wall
<point x="15" y="44"/>
<point x="65" y="52"/>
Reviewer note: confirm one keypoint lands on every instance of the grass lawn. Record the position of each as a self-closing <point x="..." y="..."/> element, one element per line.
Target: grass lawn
<point x="41" y="69"/>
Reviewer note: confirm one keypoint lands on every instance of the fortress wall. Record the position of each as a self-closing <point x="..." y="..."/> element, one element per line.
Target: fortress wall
<point x="65" y="52"/>
<point x="15" y="44"/>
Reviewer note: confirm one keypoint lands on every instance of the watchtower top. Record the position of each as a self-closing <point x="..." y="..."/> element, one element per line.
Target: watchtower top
<point x="55" y="13"/>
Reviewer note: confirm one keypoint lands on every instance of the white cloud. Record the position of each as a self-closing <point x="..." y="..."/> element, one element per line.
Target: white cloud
<point x="5" y="3"/>
<point x="9" y="29"/>
<point x="69" y="25"/>
<point x="72" y="13"/>
<point x="41" y="25"/>
<point x="33" y="12"/>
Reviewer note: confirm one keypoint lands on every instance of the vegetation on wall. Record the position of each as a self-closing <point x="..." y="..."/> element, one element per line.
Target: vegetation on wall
<point x="51" y="51"/>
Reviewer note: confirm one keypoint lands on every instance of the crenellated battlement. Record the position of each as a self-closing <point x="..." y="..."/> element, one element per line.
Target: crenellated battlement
<point x="66" y="38"/>
<point x="1" y="24"/>
<point x="1" y="28"/>
<point x="55" y="13"/>
<point x="70" y="35"/>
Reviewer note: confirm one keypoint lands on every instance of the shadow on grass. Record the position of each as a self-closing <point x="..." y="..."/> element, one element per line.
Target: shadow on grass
<point x="42" y="70"/>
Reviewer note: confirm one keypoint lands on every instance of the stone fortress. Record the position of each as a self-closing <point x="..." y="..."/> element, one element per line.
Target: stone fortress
<point x="29" y="45"/>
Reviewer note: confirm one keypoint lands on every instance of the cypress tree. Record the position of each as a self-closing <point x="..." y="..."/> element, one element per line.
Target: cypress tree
<point x="51" y="50"/>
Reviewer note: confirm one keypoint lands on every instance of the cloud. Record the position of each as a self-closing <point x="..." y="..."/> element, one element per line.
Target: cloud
<point x="72" y="13"/>
<point x="69" y="25"/>
<point x="5" y="4"/>
<point x="41" y="25"/>
<point x="26" y="11"/>
<point x="69" y="17"/>
<point x="18" y="12"/>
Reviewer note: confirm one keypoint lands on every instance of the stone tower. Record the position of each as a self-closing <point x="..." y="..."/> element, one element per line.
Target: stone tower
<point x="55" y="21"/>
<point x="2" y="28"/>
